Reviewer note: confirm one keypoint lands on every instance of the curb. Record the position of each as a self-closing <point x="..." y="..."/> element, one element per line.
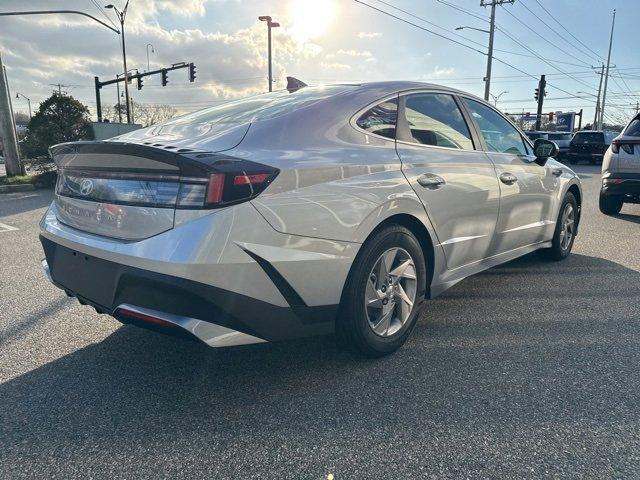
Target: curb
<point x="16" y="188"/>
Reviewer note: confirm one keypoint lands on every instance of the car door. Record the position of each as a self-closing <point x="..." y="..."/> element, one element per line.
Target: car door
<point x="456" y="183"/>
<point x="527" y="190"/>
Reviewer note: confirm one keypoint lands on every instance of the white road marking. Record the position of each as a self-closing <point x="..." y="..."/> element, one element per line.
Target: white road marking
<point x="7" y="228"/>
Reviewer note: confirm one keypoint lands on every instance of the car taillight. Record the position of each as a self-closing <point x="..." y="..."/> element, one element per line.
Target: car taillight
<point x="234" y="182"/>
<point x="616" y="145"/>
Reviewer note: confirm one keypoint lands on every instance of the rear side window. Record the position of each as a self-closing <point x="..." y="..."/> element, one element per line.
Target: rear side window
<point x="381" y="119"/>
<point x="633" y="130"/>
<point x="589" y="137"/>
<point x="435" y="119"/>
<point x="499" y="134"/>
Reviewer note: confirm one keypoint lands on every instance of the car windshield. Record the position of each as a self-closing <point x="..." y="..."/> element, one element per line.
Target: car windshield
<point x="589" y="137"/>
<point x="259" y="107"/>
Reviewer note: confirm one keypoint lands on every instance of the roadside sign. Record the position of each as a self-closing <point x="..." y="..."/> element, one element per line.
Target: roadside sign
<point x="565" y="121"/>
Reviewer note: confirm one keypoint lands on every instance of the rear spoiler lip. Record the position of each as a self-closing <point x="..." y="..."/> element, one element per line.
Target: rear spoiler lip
<point x="190" y="162"/>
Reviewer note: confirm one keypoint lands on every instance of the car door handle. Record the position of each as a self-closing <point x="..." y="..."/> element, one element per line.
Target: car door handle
<point x="508" y="178"/>
<point x="429" y="180"/>
<point x="556" y="172"/>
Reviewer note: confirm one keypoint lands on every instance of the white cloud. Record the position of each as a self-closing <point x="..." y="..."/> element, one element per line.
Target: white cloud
<point x="439" y="71"/>
<point x="369" y="35"/>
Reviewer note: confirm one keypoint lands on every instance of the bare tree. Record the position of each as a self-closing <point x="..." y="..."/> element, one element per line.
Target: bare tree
<point x="144" y="113"/>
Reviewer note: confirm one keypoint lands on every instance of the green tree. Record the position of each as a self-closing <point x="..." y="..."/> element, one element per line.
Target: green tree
<point x="60" y="118"/>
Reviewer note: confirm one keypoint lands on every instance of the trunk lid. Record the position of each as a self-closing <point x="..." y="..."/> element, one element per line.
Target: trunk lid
<point x="118" y="190"/>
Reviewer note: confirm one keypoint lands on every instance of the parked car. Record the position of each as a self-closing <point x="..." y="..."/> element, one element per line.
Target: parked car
<point x="328" y="209"/>
<point x="534" y="135"/>
<point x="621" y="170"/>
<point x="589" y="145"/>
<point x="563" y="140"/>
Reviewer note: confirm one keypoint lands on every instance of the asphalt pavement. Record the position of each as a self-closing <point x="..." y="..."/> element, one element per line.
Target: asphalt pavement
<point x="528" y="370"/>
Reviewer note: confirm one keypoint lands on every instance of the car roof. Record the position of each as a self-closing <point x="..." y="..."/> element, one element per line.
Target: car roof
<point x="392" y="86"/>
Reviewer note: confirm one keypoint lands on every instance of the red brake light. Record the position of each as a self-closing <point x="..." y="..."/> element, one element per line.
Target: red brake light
<point x="627" y="146"/>
<point x="251" y="179"/>
<point x="216" y="188"/>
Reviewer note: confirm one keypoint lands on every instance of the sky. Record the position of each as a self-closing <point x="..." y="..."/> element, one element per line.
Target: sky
<point x="324" y="41"/>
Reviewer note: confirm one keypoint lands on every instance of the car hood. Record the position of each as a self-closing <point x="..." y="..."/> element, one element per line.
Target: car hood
<point x="207" y="137"/>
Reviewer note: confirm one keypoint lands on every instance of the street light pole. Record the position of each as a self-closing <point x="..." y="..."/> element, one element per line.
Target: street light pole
<point x="152" y="51"/>
<point x="497" y="97"/>
<point x="121" y="16"/>
<point x="270" y="24"/>
<point x="18" y="95"/>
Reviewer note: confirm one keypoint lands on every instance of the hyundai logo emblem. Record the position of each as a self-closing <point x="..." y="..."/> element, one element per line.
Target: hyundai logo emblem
<point x="86" y="187"/>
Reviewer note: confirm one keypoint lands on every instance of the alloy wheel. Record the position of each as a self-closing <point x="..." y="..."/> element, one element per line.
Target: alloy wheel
<point x="567" y="226"/>
<point x="391" y="292"/>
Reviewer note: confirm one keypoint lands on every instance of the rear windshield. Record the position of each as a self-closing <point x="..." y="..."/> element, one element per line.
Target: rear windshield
<point x="560" y="136"/>
<point x="534" y="135"/>
<point x="589" y="137"/>
<point x="259" y="107"/>
<point x="633" y="130"/>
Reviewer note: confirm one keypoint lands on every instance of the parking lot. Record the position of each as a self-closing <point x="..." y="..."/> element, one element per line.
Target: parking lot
<point x="526" y="370"/>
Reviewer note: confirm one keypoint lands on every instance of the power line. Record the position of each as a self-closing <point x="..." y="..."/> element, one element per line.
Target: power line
<point x="565" y="29"/>
<point x="469" y="47"/>
<point x="558" y="34"/>
<point x="463" y="10"/>
<point x="420" y="27"/>
<point x="101" y="10"/>
<point x="543" y="38"/>
<point x="540" y="57"/>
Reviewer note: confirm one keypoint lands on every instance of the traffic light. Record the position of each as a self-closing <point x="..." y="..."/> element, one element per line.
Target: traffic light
<point x="140" y="85"/>
<point x="537" y="95"/>
<point x="192" y="72"/>
<point x="164" y="78"/>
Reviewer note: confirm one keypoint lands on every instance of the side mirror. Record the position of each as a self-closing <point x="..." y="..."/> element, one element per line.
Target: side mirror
<point x="543" y="149"/>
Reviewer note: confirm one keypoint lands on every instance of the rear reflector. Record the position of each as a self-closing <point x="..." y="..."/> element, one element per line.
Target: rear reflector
<point x="125" y="313"/>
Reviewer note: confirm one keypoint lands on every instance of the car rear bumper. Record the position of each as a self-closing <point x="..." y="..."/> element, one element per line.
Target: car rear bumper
<point x="217" y="274"/>
<point x="621" y="184"/>
<point x="176" y="305"/>
<point x="585" y="155"/>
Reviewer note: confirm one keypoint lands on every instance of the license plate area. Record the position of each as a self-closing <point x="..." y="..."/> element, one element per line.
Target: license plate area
<point x="84" y="275"/>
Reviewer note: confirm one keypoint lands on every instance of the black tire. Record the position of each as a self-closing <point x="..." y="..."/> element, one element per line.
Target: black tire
<point x="610" y="204"/>
<point x="353" y="328"/>
<point x="559" y="250"/>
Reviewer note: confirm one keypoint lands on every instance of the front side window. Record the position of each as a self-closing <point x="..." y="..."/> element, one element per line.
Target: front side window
<point x="435" y="119"/>
<point x="499" y="135"/>
<point x="381" y="119"/>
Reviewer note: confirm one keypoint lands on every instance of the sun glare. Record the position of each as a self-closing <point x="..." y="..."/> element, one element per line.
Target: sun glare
<point x="310" y="18"/>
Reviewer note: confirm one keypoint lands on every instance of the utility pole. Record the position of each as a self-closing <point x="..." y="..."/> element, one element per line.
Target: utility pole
<point x="492" y="27"/>
<point x="540" y="93"/>
<point x="596" y="118"/>
<point x="7" y="128"/>
<point x="270" y="24"/>
<point x="606" y="76"/>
